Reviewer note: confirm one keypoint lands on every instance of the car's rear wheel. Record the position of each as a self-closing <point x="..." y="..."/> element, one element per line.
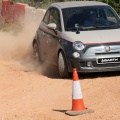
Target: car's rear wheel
<point x="36" y="52"/>
<point x="62" y="66"/>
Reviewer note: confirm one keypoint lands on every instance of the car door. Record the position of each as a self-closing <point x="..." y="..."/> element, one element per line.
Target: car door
<point x="42" y="36"/>
<point x="52" y="37"/>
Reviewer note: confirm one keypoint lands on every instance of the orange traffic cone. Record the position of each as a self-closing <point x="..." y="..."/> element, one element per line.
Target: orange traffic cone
<point x="77" y="101"/>
<point x="78" y="106"/>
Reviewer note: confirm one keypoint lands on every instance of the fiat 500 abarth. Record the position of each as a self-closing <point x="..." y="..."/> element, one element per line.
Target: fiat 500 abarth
<point x="80" y="34"/>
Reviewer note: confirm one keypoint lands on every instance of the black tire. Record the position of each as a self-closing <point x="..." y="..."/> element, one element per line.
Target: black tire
<point x="62" y="66"/>
<point x="36" y="52"/>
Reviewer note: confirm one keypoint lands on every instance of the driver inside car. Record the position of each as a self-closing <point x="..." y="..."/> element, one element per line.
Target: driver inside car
<point x="91" y="19"/>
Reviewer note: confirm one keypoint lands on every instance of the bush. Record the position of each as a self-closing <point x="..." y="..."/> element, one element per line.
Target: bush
<point x="114" y="3"/>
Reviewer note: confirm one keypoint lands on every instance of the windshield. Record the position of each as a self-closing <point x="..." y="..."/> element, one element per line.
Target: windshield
<point x="89" y="18"/>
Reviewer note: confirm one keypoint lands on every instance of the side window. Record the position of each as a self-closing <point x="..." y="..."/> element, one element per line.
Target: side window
<point x="55" y="18"/>
<point x="46" y="17"/>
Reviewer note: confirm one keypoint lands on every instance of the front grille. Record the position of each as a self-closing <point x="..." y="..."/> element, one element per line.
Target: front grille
<point x="107" y="53"/>
<point x="84" y="64"/>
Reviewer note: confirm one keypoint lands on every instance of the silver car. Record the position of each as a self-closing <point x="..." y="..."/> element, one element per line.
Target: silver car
<point x="79" y="34"/>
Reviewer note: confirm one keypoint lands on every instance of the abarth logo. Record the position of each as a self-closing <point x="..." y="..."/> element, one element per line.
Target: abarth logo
<point x="106" y="60"/>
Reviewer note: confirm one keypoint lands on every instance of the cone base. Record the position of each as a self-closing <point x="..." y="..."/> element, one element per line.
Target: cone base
<point x="74" y="113"/>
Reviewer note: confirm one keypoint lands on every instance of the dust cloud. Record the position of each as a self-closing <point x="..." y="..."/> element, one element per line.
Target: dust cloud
<point x="17" y="46"/>
<point x="14" y="45"/>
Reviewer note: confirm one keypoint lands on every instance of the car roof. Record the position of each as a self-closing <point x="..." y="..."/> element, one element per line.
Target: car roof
<point x="78" y="4"/>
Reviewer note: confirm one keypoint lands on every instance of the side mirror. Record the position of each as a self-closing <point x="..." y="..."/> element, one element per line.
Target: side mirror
<point x="52" y="26"/>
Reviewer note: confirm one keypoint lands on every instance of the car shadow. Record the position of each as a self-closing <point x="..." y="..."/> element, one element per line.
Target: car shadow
<point x="83" y="76"/>
<point x="51" y="71"/>
<point x="44" y="69"/>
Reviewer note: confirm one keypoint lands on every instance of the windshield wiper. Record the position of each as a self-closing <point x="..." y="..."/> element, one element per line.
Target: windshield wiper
<point x="77" y="29"/>
<point x="111" y="27"/>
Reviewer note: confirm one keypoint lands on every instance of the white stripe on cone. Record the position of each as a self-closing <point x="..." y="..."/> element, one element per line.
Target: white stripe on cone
<point x="77" y="94"/>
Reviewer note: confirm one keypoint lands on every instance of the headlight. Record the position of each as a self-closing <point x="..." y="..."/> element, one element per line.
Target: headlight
<point x="78" y="45"/>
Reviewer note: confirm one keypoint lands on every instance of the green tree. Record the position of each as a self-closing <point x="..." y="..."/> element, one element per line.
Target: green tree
<point x="113" y="3"/>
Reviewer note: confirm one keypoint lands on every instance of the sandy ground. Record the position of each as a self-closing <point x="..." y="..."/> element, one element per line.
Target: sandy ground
<point x="33" y="92"/>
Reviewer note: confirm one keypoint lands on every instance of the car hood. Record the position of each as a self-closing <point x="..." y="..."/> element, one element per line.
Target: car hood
<point x="94" y="36"/>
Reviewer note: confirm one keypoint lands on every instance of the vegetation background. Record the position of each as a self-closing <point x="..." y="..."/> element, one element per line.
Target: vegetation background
<point x="45" y="3"/>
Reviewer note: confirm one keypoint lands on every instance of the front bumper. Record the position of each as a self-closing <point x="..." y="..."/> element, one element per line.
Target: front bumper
<point x="82" y="66"/>
<point x="101" y="59"/>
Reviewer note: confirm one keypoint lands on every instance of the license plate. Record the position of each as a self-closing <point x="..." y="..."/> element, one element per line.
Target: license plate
<point x="108" y="60"/>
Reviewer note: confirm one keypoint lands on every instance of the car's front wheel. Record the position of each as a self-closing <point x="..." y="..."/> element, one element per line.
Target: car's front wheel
<point x="62" y="66"/>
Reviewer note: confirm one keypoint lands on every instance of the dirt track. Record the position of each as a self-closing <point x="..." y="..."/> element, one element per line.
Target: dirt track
<point x="32" y="92"/>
